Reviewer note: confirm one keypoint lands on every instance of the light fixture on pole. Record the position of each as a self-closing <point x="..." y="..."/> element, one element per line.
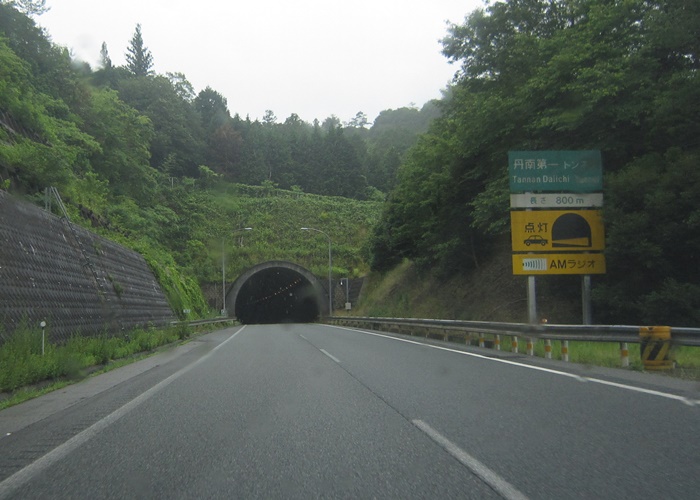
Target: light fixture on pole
<point x="330" y="268"/>
<point x="223" y="269"/>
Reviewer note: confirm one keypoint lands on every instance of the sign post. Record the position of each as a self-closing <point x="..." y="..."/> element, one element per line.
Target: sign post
<point x="556" y="222"/>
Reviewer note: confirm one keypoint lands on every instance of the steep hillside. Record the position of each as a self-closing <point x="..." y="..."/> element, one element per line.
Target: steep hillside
<point x="488" y="293"/>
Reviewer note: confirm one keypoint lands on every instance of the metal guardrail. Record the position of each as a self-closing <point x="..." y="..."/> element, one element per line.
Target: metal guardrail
<point x="591" y="333"/>
<point x="654" y="348"/>
<point x="468" y="330"/>
<point x="199" y="322"/>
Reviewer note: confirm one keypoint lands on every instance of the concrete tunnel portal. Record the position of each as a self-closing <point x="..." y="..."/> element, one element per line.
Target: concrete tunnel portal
<point x="276" y="292"/>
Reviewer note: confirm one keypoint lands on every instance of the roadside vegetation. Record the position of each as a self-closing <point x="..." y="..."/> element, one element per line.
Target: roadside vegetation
<point x="493" y="293"/>
<point x="616" y="76"/>
<point x="27" y="372"/>
<point x="416" y="200"/>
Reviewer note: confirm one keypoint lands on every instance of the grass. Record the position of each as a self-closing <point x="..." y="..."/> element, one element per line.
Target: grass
<point x="588" y="353"/>
<point x="491" y="293"/>
<point x="26" y="373"/>
<point x="687" y="359"/>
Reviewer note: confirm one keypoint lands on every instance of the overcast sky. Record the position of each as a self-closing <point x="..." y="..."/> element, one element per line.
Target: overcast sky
<point x="315" y="58"/>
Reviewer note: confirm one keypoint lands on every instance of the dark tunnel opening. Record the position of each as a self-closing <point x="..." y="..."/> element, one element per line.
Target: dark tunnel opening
<point x="277" y="295"/>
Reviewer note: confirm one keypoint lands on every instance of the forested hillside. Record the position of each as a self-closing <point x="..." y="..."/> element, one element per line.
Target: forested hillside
<point x="134" y="128"/>
<point x="621" y="76"/>
<point x="174" y="172"/>
<point x="143" y="159"/>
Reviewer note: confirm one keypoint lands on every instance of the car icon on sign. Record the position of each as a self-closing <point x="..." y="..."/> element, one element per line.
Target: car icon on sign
<point x="536" y="239"/>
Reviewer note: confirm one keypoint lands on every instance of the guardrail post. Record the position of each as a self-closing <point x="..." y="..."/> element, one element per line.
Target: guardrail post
<point x="497" y="343"/>
<point x="530" y="346"/>
<point x="548" y="349"/>
<point x="482" y="343"/>
<point x="624" y="354"/>
<point x="565" y="350"/>
<point x="514" y="344"/>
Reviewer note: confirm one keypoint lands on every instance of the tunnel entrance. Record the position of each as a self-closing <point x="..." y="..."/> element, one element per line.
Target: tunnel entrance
<point x="276" y="292"/>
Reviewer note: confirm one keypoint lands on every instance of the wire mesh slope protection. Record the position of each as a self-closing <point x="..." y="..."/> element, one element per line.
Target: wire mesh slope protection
<point x="78" y="282"/>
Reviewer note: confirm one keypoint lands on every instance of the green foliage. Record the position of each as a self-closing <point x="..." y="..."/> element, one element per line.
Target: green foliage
<point x="653" y="232"/>
<point x="90" y="191"/>
<point x="276" y="217"/>
<point x="124" y="137"/>
<point x="176" y="145"/>
<point x="207" y="176"/>
<point x="565" y="74"/>
<point x="31" y="7"/>
<point x="182" y="291"/>
<point x="146" y="163"/>
<point x="42" y="145"/>
<point x="22" y="362"/>
<point x="139" y="59"/>
<point x="156" y="120"/>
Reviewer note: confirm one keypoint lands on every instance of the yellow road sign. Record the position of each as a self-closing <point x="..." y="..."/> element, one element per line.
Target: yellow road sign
<point x="557" y="230"/>
<point x="564" y="263"/>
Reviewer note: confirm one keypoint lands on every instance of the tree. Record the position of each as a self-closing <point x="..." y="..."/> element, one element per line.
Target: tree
<point x="620" y="76"/>
<point x="360" y="120"/>
<point x="30" y="7"/>
<point x="331" y="123"/>
<point x="139" y="60"/>
<point x="269" y="118"/>
<point x="182" y="86"/>
<point x="124" y="136"/>
<point x="178" y="134"/>
<point x="213" y="109"/>
<point x="105" y="60"/>
<point x="40" y="141"/>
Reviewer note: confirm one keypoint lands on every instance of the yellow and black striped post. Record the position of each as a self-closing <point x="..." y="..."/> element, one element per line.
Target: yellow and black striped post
<point x="655" y="347"/>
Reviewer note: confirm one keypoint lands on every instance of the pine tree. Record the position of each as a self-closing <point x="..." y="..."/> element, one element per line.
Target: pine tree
<point x="104" y="57"/>
<point x="139" y="59"/>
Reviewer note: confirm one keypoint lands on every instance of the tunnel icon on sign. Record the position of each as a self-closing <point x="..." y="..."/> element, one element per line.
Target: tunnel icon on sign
<point x="571" y="231"/>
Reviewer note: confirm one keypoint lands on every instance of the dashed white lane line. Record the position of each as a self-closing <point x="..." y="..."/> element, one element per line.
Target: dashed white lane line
<point x="500" y="485"/>
<point x="330" y="355"/>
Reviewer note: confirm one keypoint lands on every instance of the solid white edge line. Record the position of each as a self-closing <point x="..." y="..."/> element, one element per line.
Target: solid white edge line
<point x="500" y="485"/>
<point x="24" y="475"/>
<point x="676" y="397"/>
<point x="330" y="355"/>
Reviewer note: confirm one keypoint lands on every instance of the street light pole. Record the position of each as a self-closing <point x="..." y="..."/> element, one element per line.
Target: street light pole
<point x="223" y="269"/>
<point x="330" y="268"/>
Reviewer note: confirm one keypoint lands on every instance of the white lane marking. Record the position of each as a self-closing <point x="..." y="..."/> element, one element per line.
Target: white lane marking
<point x="23" y="476"/>
<point x="651" y="392"/>
<point x="330" y="355"/>
<point x="500" y="485"/>
<point x="303" y="337"/>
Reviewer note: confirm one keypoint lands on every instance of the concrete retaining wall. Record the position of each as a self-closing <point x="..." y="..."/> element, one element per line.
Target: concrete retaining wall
<point x="44" y="275"/>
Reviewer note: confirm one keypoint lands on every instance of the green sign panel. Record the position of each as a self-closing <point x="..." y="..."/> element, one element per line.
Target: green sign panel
<point x="555" y="171"/>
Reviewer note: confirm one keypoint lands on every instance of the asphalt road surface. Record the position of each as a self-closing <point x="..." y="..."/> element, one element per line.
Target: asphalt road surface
<point x="312" y="411"/>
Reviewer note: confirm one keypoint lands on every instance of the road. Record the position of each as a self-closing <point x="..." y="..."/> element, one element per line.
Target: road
<point x="312" y="411"/>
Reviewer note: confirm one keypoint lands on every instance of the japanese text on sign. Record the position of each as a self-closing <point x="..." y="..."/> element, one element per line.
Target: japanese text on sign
<point x="542" y="171"/>
<point x="528" y="264"/>
<point x="547" y="230"/>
